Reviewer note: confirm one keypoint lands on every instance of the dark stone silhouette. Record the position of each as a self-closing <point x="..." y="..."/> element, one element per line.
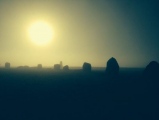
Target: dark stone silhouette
<point x="7" y="65"/>
<point x="152" y="70"/>
<point x="66" y="68"/>
<point x="57" y="67"/>
<point x="61" y="65"/>
<point x="39" y="66"/>
<point x="112" y="68"/>
<point x="87" y="67"/>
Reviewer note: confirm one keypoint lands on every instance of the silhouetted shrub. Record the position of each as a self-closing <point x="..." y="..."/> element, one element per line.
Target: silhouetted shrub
<point x="87" y="67"/>
<point x="19" y="67"/>
<point x="39" y="66"/>
<point x="152" y="70"/>
<point x="26" y="67"/>
<point x="112" y="68"/>
<point x="7" y="65"/>
<point x="57" y="67"/>
<point x="66" y="68"/>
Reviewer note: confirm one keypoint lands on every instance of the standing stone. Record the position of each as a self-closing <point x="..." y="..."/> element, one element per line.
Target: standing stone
<point x="66" y="68"/>
<point x="7" y="65"/>
<point x="39" y="66"/>
<point x="87" y="67"/>
<point x="61" y="65"/>
<point x="112" y="68"/>
<point x="152" y="70"/>
<point x="57" y="67"/>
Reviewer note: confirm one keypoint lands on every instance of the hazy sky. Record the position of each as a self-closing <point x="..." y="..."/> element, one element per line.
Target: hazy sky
<point x="84" y="31"/>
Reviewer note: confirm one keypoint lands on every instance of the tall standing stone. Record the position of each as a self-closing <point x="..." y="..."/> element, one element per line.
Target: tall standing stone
<point x="112" y="68"/>
<point x="61" y="65"/>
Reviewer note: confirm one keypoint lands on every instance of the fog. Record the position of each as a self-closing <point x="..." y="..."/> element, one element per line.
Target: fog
<point x="84" y="31"/>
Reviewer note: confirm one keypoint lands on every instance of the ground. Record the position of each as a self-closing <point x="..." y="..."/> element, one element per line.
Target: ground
<point x="34" y="94"/>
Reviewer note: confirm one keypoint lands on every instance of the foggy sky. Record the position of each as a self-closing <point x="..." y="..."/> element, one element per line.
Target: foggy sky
<point x="84" y="31"/>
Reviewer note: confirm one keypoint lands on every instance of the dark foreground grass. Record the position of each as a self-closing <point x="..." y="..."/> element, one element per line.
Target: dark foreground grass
<point x="74" y="95"/>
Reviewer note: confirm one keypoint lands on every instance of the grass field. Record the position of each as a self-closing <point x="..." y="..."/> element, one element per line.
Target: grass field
<point x="32" y="94"/>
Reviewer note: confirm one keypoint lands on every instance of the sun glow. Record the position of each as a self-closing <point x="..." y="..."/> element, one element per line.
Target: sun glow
<point x="40" y="33"/>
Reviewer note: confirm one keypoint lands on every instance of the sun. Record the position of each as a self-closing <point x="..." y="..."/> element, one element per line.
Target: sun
<point x="41" y="33"/>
